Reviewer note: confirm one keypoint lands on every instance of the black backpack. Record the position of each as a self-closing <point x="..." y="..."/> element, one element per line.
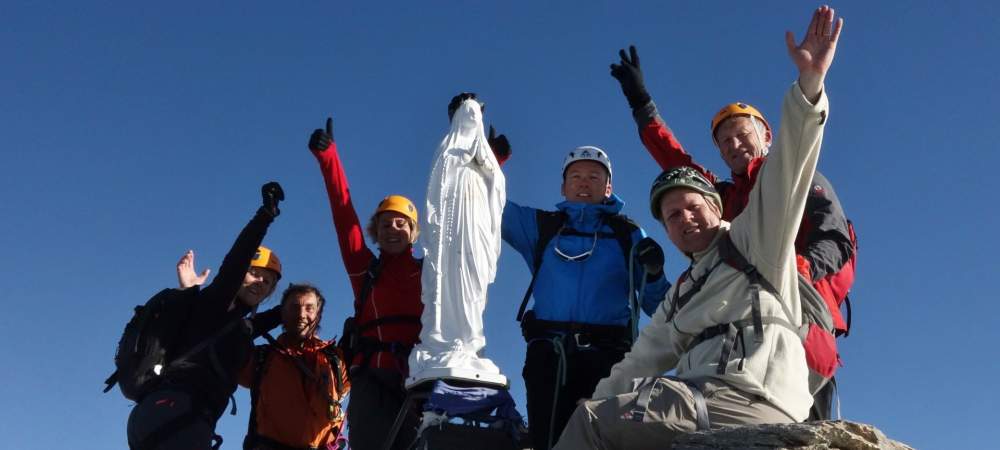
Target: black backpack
<point x="147" y="344"/>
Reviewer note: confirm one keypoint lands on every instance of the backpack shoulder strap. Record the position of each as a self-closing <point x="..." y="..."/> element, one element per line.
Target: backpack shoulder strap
<point x="333" y="356"/>
<point x="732" y="256"/>
<point x="623" y="227"/>
<point x="549" y="223"/>
<point x="260" y="359"/>
<point x="371" y="274"/>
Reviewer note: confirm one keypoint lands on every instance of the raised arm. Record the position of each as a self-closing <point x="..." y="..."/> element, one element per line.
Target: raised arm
<point x="187" y="277"/>
<point x="237" y="261"/>
<point x="519" y="229"/>
<point x="814" y="55"/>
<point x="766" y="230"/>
<point x="499" y="145"/>
<point x="656" y="136"/>
<point x="350" y="236"/>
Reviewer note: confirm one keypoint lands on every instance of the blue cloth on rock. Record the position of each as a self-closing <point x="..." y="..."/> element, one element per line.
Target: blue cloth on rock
<point x="461" y="401"/>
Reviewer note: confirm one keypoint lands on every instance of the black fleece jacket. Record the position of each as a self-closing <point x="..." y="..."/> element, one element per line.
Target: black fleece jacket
<point x="210" y="375"/>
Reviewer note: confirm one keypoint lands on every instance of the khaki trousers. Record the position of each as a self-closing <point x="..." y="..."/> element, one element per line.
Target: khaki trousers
<point x="616" y="423"/>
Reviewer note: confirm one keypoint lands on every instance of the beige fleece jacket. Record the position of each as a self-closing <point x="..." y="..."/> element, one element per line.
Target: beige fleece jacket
<point x="765" y="234"/>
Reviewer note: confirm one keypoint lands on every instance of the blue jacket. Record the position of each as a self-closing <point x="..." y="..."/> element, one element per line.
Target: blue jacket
<point x="593" y="291"/>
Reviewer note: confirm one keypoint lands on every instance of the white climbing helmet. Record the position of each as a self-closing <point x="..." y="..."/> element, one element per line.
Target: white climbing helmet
<point x="587" y="152"/>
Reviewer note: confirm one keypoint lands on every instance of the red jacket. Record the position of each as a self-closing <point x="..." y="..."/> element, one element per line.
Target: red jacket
<point x="823" y="243"/>
<point x="396" y="291"/>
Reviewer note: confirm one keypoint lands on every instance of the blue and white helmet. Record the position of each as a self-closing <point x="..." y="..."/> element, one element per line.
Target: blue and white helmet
<point x="587" y="152"/>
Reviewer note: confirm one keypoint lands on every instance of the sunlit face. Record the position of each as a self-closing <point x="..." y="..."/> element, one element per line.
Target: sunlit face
<point x="690" y="219"/>
<point x="587" y="182"/>
<point x="394" y="234"/>
<point x="258" y="284"/>
<point x="739" y="142"/>
<point x="300" y="315"/>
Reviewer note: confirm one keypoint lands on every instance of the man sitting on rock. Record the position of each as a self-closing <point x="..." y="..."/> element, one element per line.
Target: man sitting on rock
<point x="735" y="348"/>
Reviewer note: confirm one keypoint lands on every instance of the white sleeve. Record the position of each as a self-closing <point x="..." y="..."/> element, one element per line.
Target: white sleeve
<point x="657" y="350"/>
<point x="765" y="231"/>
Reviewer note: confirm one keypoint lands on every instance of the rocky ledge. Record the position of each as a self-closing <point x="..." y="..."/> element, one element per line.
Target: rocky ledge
<point x="825" y="435"/>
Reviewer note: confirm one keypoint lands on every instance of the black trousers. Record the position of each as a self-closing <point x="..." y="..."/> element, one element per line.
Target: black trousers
<point x="376" y="396"/>
<point x="551" y="402"/>
<point x="170" y="420"/>
<point x="822" y="408"/>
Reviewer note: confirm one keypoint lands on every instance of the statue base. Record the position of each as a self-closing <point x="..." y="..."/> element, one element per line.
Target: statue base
<point x="458" y="374"/>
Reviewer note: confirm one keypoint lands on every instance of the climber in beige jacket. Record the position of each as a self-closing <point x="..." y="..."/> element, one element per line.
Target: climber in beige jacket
<point x="730" y="369"/>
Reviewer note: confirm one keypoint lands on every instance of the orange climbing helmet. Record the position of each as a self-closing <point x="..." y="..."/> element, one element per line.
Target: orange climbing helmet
<point x="736" y="109"/>
<point x="399" y="204"/>
<point x="266" y="259"/>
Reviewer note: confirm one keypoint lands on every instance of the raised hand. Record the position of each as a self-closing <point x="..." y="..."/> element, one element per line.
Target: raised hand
<point x="186" y="274"/>
<point x="500" y="146"/>
<point x="629" y="75"/>
<point x="814" y="55"/>
<point x="320" y="139"/>
<point x="271" y="194"/>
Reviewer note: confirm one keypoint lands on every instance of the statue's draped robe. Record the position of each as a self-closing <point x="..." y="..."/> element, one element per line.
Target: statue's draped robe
<point x="461" y="236"/>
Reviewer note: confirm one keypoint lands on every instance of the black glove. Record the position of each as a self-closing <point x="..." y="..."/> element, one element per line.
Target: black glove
<point x="457" y="100"/>
<point x="321" y="140"/>
<point x="629" y="75"/>
<point x="499" y="144"/>
<point x="650" y="255"/>
<point x="272" y="194"/>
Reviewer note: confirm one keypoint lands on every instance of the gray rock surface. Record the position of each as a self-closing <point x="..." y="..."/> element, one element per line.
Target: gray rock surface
<point x="826" y="435"/>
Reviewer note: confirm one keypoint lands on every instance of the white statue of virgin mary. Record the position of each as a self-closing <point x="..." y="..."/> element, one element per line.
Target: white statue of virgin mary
<point x="461" y="237"/>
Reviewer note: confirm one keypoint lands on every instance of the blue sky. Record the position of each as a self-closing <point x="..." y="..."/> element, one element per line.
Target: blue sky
<point x="133" y="132"/>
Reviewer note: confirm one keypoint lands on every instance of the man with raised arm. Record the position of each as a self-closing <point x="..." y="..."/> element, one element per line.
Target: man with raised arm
<point x="296" y="381"/>
<point x="181" y="410"/>
<point x="737" y="355"/>
<point x="824" y="245"/>
<point x="387" y="304"/>
<point x="593" y="269"/>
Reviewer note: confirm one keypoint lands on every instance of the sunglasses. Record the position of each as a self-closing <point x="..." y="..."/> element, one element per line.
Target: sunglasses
<point x="573" y="258"/>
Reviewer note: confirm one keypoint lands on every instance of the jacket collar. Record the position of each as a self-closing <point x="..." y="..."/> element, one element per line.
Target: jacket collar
<point x="747" y="178"/>
<point x="697" y="256"/>
<point x="312" y="342"/>
<point x="579" y="213"/>
<point x="405" y="255"/>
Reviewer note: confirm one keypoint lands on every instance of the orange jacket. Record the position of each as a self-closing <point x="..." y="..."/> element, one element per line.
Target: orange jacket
<point x="294" y="408"/>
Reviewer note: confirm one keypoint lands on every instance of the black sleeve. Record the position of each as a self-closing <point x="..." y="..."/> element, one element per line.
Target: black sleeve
<point x="646" y="114"/>
<point x="226" y="284"/>
<point x="828" y="242"/>
<point x="266" y="321"/>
